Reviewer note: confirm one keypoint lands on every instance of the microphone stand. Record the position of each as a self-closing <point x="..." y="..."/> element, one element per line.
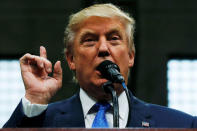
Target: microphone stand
<point x="109" y="88"/>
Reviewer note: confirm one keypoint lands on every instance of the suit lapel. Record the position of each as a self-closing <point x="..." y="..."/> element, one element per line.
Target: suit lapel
<point x="139" y="114"/>
<point x="71" y="114"/>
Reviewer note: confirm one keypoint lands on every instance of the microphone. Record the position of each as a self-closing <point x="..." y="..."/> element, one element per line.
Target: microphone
<point x="110" y="71"/>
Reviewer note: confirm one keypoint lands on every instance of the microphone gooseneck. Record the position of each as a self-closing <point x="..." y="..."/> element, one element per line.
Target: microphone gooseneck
<point x="109" y="88"/>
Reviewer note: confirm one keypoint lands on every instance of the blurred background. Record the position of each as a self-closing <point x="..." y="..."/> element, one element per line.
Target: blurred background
<point x="165" y="70"/>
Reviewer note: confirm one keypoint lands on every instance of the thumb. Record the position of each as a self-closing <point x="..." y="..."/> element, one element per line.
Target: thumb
<point x="57" y="73"/>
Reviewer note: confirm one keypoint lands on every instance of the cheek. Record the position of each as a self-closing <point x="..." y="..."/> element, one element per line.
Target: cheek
<point x="84" y="57"/>
<point x="87" y="54"/>
<point x="121" y="53"/>
<point x="121" y="57"/>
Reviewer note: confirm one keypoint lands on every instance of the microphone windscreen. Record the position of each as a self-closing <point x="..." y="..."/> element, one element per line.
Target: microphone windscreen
<point x="107" y="64"/>
<point x="110" y="71"/>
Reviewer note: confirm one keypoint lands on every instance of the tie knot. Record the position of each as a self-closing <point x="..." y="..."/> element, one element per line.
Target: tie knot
<point x="102" y="106"/>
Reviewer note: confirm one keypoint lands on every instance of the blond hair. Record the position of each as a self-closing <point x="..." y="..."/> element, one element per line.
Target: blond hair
<point x="101" y="10"/>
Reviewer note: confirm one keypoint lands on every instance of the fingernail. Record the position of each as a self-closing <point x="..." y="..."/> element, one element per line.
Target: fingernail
<point x="42" y="65"/>
<point x="49" y="69"/>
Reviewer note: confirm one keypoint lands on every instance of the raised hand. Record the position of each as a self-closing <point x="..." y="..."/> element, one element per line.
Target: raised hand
<point x="38" y="85"/>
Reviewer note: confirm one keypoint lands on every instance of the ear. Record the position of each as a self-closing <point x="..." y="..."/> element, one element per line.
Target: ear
<point x="131" y="58"/>
<point x="70" y="60"/>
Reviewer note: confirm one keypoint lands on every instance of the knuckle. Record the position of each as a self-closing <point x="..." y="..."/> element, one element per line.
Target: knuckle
<point x="47" y="62"/>
<point x="21" y="59"/>
<point x="38" y="58"/>
<point x="24" y="57"/>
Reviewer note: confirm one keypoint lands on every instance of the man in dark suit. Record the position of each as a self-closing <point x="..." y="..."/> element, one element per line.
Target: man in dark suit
<point x="97" y="33"/>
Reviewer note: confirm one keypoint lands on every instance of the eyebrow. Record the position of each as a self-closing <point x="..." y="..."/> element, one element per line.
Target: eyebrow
<point x="85" y="32"/>
<point x="114" y="31"/>
<point x="93" y="33"/>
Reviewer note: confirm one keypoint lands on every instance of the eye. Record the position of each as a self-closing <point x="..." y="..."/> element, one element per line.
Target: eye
<point x="89" y="40"/>
<point x="115" y="38"/>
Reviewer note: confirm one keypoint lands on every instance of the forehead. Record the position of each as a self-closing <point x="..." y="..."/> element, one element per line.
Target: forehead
<point x="100" y="25"/>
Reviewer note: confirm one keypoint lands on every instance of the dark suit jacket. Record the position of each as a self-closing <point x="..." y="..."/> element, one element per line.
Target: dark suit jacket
<point x="68" y="113"/>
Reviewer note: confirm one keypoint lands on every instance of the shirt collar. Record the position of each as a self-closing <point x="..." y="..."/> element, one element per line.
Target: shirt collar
<point x="123" y="106"/>
<point x="87" y="103"/>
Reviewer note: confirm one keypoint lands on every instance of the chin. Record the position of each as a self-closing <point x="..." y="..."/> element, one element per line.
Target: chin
<point x="104" y="97"/>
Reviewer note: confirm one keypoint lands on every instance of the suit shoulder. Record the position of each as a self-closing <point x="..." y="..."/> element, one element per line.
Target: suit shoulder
<point x="166" y="110"/>
<point x="164" y="116"/>
<point x="158" y="109"/>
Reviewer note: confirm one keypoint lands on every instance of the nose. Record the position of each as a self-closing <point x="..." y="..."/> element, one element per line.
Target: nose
<point x="103" y="48"/>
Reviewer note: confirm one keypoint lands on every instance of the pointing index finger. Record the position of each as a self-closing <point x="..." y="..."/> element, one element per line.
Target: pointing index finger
<point x="43" y="52"/>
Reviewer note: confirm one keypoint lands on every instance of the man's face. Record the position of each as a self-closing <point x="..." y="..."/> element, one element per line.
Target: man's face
<point x="96" y="40"/>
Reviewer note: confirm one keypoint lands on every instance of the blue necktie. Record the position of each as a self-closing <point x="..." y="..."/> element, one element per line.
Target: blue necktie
<point x="100" y="120"/>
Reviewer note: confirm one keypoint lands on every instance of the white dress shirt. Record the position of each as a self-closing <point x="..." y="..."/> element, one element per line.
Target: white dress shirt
<point x="31" y="110"/>
<point x="87" y="102"/>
